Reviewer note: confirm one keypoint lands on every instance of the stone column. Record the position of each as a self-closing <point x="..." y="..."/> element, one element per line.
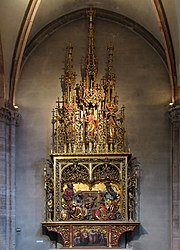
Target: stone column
<point x="8" y="120"/>
<point x="175" y="120"/>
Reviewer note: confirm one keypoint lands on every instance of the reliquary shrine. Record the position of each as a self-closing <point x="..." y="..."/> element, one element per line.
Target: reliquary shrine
<point x="91" y="182"/>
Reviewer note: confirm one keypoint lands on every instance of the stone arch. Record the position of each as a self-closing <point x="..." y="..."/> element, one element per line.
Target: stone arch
<point x="23" y="50"/>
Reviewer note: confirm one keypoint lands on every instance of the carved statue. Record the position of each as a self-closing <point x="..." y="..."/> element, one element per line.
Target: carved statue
<point x="91" y="125"/>
<point x="70" y="129"/>
<point x="111" y="128"/>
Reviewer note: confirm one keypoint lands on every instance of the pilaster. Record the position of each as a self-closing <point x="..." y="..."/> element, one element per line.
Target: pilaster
<point x="175" y="120"/>
<point x="8" y="121"/>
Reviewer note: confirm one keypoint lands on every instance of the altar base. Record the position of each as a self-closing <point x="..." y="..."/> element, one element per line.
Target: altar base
<point x="90" y="234"/>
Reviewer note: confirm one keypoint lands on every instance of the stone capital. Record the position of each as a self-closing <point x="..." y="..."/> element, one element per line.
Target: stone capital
<point x="9" y="116"/>
<point x="174" y="114"/>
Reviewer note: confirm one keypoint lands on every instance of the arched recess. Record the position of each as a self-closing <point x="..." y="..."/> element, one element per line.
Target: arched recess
<point x="52" y="27"/>
<point x="2" y="79"/>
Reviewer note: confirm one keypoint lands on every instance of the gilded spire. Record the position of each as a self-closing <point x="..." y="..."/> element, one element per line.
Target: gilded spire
<point x="110" y="76"/>
<point x="110" y="81"/>
<point x="70" y="76"/>
<point x="91" y="66"/>
<point x="88" y="120"/>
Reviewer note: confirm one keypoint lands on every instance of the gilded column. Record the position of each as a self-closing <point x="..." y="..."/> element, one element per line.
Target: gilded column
<point x="175" y="121"/>
<point x="8" y="120"/>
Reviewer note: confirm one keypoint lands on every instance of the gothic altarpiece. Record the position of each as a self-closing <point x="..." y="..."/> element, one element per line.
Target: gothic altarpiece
<point x="91" y="183"/>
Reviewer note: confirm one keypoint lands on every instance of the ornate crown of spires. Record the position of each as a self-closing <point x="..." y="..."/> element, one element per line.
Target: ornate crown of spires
<point x="88" y="120"/>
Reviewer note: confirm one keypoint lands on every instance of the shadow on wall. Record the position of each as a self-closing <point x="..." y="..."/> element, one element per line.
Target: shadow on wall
<point x="134" y="236"/>
<point x="55" y="238"/>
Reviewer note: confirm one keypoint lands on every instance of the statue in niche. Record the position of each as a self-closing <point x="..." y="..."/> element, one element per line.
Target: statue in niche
<point x="70" y="128"/>
<point x="111" y="128"/>
<point x="70" y="133"/>
<point x="91" y="125"/>
<point x="108" y="208"/>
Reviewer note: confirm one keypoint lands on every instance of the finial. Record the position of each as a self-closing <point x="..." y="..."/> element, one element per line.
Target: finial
<point x="109" y="83"/>
<point x="69" y="48"/>
<point x="110" y="48"/>
<point x="69" y="66"/>
<point x="91" y="13"/>
<point x="68" y="82"/>
<point x="91" y="65"/>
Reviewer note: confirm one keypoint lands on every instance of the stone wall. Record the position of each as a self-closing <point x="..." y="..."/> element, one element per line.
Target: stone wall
<point x="142" y="86"/>
<point x="175" y="121"/>
<point x="8" y="121"/>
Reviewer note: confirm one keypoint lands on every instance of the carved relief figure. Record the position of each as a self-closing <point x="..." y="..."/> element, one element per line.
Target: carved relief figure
<point x="110" y="193"/>
<point x="50" y="207"/>
<point x="107" y="209"/>
<point x="73" y="208"/>
<point x="90" y="237"/>
<point x="69" y="193"/>
<point x="49" y="194"/>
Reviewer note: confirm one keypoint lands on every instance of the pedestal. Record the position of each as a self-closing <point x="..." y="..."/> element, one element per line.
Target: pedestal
<point x="90" y="234"/>
<point x="93" y="249"/>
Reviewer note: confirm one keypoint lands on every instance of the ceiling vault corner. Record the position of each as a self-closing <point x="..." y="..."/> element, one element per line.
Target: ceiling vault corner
<point x="168" y="45"/>
<point x="20" y="46"/>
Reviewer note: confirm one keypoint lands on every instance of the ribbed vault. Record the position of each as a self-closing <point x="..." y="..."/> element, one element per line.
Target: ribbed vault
<point x="23" y="50"/>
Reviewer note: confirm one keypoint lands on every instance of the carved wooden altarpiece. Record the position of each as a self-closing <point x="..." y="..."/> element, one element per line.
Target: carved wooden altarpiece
<point x="91" y="183"/>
